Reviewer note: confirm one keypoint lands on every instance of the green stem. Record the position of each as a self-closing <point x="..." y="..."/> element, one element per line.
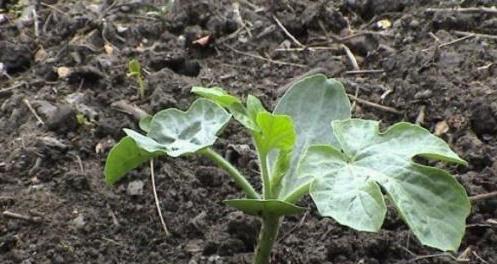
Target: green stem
<point x="298" y="193"/>
<point x="266" y="180"/>
<point x="267" y="236"/>
<point x="239" y="179"/>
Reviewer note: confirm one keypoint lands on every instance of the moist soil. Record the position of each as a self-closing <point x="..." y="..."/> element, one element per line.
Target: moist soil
<point x="66" y="62"/>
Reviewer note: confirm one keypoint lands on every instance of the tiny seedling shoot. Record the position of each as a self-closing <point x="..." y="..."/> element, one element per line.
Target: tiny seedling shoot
<point x="135" y="71"/>
<point x="309" y="144"/>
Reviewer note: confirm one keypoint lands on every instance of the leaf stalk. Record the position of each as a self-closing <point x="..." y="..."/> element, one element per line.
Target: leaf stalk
<point x="239" y="179"/>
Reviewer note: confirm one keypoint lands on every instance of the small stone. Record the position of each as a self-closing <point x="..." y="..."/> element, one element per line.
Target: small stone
<point x="79" y="222"/>
<point x="135" y="188"/>
<point x="3" y="18"/>
<point x="425" y="94"/>
<point x="194" y="246"/>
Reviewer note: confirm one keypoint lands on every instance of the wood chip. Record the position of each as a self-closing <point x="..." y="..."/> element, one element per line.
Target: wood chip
<point x="441" y="128"/>
<point x="63" y="72"/>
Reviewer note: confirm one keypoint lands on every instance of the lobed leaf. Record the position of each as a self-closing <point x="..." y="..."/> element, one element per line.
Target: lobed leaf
<point x="347" y="183"/>
<point x="312" y="103"/>
<point x="265" y="207"/>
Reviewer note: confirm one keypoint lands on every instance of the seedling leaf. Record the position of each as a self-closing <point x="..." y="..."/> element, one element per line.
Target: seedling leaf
<point x="277" y="132"/>
<point x="312" y="103"/>
<point x="346" y="184"/>
<point x="122" y="158"/>
<point x="265" y="207"/>
<point x="216" y="94"/>
<point x="134" y="67"/>
<point x="254" y="107"/>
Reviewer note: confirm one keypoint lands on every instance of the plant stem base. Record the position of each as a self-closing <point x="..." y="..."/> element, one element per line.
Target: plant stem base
<point x="267" y="236"/>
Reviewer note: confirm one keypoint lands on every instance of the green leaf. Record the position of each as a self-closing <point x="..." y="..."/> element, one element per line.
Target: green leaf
<point x="134" y="67"/>
<point x="254" y="107"/>
<point x="277" y="132"/>
<point x="347" y="183"/>
<point x="217" y="95"/>
<point x="280" y="168"/>
<point x="122" y="158"/>
<point x="265" y="207"/>
<point x="312" y="103"/>
<point x="144" y="123"/>
<point x="177" y="133"/>
<point x="231" y="103"/>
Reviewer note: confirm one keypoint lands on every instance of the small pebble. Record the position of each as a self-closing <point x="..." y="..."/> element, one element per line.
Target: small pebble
<point x="135" y="188"/>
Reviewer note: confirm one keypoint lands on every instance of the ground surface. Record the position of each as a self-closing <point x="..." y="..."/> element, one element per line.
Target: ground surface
<point x="51" y="173"/>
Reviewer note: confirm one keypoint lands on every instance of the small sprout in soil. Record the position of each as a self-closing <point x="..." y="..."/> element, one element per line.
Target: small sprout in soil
<point x="135" y="71"/>
<point x="310" y="144"/>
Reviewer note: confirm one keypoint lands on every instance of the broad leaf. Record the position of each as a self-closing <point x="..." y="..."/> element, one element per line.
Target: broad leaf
<point x="123" y="157"/>
<point x="144" y="123"/>
<point x="312" y="103"/>
<point x="347" y="182"/>
<point x="170" y="132"/>
<point x="276" y="132"/>
<point x="265" y="207"/>
<point x="177" y="133"/>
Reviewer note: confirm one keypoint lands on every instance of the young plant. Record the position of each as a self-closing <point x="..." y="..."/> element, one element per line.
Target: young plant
<point x="310" y="145"/>
<point x="135" y="71"/>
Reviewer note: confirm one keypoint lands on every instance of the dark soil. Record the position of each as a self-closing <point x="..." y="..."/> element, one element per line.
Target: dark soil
<point x="51" y="173"/>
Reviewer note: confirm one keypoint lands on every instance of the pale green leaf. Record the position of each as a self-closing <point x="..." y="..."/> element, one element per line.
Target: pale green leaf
<point x="144" y="123"/>
<point x="186" y="132"/>
<point x="122" y="158"/>
<point x="231" y="103"/>
<point x="265" y="207"/>
<point x="312" y="103"/>
<point x="134" y="67"/>
<point x="276" y="132"/>
<point x="171" y="132"/>
<point x="347" y="183"/>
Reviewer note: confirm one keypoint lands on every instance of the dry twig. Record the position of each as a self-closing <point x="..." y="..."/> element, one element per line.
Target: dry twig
<point x="476" y="35"/>
<point x="375" y="105"/>
<point x="156" y="198"/>
<point x="451" y="42"/>
<point x="464" y="10"/>
<point x="483" y="196"/>
<point x="33" y="111"/>
<point x="351" y="57"/>
<point x="13" y="215"/>
<point x="364" y="71"/>
<point x="296" y="41"/>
